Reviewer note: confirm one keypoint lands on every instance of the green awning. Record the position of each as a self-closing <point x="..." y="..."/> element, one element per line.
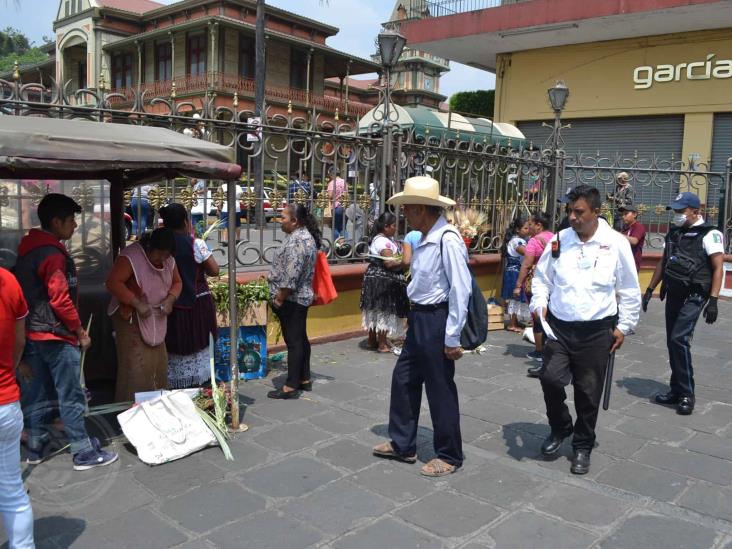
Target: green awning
<point x="430" y="123"/>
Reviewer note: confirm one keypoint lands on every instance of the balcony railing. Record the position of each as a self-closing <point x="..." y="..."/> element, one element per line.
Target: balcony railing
<point x="438" y="8"/>
<point x="244" y="87"/>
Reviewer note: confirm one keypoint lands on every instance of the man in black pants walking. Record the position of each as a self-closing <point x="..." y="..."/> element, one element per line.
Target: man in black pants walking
<point x="439" y="292"/>
<point x="586" y="289"/>
<point x="692" y="272"/>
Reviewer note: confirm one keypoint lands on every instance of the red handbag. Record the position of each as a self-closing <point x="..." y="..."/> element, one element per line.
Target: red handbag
<point x="323" y="287"/>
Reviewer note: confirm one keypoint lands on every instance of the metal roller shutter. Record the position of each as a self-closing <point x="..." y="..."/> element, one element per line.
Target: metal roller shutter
<point x="722" y="142"/>
<point x="618" y="140"/>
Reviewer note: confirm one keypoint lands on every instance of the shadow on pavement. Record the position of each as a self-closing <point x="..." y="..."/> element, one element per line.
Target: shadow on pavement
<point x="523" y="440"/>
<point x="518" y="351"/>
<point x="642" y="387"/>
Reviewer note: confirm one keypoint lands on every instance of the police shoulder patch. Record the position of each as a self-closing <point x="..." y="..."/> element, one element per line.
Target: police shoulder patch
<point x="716" y="237"/>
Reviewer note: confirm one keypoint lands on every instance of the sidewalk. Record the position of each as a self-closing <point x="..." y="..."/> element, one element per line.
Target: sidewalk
<point x="305" y="477"/>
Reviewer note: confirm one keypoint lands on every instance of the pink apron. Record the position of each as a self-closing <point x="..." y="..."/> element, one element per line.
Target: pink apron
<point x="155" y="284"/>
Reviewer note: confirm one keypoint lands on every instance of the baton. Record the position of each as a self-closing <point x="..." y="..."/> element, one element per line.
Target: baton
<point x="608" y="381"/>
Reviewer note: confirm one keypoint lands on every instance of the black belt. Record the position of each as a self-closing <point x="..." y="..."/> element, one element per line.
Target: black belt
<point x="589" y="325"/>
<point x="430" y="307"/>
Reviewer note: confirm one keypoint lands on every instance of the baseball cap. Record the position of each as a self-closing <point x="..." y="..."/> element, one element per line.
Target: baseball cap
<point x="628" y="208"/>
<point x="684" y="200"/>
<point x="565" y="198"/>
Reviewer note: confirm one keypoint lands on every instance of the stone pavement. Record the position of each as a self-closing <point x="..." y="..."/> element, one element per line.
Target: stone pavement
<point x="304" y="476"/>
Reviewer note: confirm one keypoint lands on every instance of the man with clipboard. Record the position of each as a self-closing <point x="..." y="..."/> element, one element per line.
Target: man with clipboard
<point x="585" y="290"/>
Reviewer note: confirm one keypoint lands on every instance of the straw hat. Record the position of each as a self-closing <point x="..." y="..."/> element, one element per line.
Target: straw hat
<point x="421" y="190"/>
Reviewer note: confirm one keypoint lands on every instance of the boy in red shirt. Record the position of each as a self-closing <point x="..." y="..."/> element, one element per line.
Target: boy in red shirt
<point x="47" y="275"/>
<point x="14" y="502"/>
<point x="634" y="231"/>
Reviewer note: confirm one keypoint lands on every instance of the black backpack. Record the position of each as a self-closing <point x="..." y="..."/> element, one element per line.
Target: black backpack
<point x="475" y="330"/>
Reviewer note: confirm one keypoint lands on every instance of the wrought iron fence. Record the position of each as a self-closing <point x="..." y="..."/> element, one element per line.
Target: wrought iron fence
<point x="418" y="9"/>
<point x="305" y="156"/>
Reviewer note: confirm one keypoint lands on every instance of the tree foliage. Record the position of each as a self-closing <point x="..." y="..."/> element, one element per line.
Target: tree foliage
<point x="15" y="46"/>
<point x="479" y="102"/>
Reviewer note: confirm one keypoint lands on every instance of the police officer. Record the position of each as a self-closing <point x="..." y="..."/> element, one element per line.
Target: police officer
<point x="439" y="292"/>
<point x="586" y="290"/>
<point x="691" y="271"/>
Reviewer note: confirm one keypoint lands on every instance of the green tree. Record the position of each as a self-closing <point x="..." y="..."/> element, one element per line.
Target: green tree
<point x="15" y="46"/>
<point x="479" y="102"/>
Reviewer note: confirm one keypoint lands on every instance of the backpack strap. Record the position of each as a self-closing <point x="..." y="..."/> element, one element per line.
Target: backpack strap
<point x="442" y="259"/>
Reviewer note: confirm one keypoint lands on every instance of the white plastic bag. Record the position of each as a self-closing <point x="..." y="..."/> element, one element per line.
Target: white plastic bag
<point x="165" y="428"/>
<point x="529" y="334"/>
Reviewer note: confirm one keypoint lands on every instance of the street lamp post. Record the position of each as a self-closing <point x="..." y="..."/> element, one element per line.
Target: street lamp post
<point x="558" y="95"/>
<point x="391" y="45"/>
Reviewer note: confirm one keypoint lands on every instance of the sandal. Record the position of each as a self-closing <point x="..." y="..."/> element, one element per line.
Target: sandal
<point x="385" y="450"/>
<point x="437" y="468"/>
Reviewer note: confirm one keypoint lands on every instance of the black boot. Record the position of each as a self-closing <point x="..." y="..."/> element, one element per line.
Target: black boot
<point x="534" y="371"/>
<point x="553" y="442"/>
<point x="685" y="406"/>
<point x="580" y="462"/>
<point x="669" y="398"/>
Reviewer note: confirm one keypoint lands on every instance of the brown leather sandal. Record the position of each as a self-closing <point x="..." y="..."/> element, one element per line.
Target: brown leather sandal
<point x="385" y="450"/>
<point x="437" y="468"/>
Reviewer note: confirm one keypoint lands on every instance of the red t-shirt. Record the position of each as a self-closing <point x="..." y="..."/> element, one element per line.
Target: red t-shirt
<point x="12" y="308"/>
<point x="637" y="230"/>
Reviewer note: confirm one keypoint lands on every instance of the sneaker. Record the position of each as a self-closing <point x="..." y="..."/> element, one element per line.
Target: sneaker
<point x="34" y="456"/>
<point x="396" y="350"/>
<point x="96" y="457"/>
<point x="535" y="355"/>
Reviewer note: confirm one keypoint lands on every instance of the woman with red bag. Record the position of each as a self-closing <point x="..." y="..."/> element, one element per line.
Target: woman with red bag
<point x="291" y="290"/>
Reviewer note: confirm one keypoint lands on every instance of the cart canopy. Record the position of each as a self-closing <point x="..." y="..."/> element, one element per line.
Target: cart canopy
<point x="50" y="148"/>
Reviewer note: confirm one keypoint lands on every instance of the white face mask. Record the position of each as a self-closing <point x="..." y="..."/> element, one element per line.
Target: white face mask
<point x="679" y="220"/>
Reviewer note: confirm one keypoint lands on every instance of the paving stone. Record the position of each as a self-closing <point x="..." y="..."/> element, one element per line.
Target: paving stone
<point x="709" y="499"/>
<point x="563" y="461"/>
<point x="394" y="481"/>
<point x="95" y="501"/>
<point x="381" y="383"/>
<point x="470" y="387"/>
<point x="517" y="444"/>
<point x="617" y="444"/>
<point x="687" y="463"/>
<point x="449" y="515"/>
<point x="345" y="505"/>
<point x="340" y="422"/>
<point x="387" y="533"/>
<point x="655" y="532"/>
<point x="343" y="391"/>
<point x="653" y="430"/>
<point x="212" y="506"/>
<point x="498" y="484"/>
<point x="246" y="454"/>
<point x="503" y="415"/>
<point x="268" y="530"/>
<point x="291" y="437"/>
<point x="293" y="476"/>
<point x="178" y="476"/>
<point x="710" y="445"/>
<point x="287" y="410"/>
<point x="582" y="506"/>
<point x="526" y="529"/>
<point x="133" y="530"/>
<point x="709" y="420"/>
<point x="641" y="479"/>
<point x="376" y="405"/>
<point x="347" y="453"/>
<point x="471" y="428"/>
<point x="196" y="544"/>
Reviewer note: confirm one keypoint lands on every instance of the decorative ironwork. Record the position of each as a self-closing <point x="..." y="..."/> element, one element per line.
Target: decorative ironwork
<point x="188" y="197"/>
<point x="248" y="199"/>
<point x="83" y="196"/>
<point x="300" y="197"/>
<point x="127" y="198"/>
<point x="4" y="200"/>
<point x="157" y="196"/>
<point x="218" y="198"/>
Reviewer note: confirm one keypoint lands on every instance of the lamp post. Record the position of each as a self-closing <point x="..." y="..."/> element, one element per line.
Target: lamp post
<point x="558" y="95"/>
<point x="391" y="44"/>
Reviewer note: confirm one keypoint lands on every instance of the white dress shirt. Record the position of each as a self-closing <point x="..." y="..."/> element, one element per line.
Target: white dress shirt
<point x="436" y="281"/>
<point x="590" y="280"/>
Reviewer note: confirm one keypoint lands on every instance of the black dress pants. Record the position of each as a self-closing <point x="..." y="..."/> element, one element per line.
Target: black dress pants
<point x="579" y="356"/>
<point x="423" y="361"/>
<point x="293" y="320"/>
<point x="682" y="312"/>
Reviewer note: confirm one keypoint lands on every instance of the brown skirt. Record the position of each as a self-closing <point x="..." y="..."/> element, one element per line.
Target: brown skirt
<point x="139" y="366"/>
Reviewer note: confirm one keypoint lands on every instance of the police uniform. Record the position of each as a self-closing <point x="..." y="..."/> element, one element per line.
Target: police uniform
<point x="587" y="290"/>
<point x="687" y="285"/>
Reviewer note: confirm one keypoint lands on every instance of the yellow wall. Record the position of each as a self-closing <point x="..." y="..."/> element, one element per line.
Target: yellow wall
<point x="600" y="78"/>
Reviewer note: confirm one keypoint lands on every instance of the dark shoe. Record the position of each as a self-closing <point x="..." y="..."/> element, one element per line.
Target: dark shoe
<point x="535" y="355"/>
<point x="35" y="456"/>
<point x="282" y="395"/>
<point x="96" y="457"/>
<point x="666" y="398"/>
<point x="306" y="386"/>
<point x="553" y="442"/>
<point x="580" y="462"/>
<point x="534" y="371"/>
<point x="685" y="406"/>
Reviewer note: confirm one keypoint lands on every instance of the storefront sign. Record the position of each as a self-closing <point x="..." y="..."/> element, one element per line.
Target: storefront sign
<point x="645" y="76"/>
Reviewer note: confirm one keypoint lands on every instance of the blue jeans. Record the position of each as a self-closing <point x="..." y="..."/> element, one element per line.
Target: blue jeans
<point x="56" y="367"/>
<point x="339" y="225"/>
<point x="15" y="506"/>
<point x="144" y="214"/>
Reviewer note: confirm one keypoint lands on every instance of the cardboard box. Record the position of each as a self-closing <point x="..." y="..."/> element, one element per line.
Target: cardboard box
<point x="492" y="326"/>
<point x="494" y="309"/>
<point x="254" y="316"/>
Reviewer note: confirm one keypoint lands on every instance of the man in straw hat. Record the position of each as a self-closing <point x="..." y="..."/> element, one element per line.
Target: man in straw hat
<point x="623" y="196"/>
<point x="439" y="293"/>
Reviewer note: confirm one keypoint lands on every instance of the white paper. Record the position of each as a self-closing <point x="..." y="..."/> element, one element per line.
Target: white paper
<point x="545" y="325"/>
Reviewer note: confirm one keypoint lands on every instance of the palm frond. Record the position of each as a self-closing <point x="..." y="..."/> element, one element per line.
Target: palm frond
<point x="220" y="435"/>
